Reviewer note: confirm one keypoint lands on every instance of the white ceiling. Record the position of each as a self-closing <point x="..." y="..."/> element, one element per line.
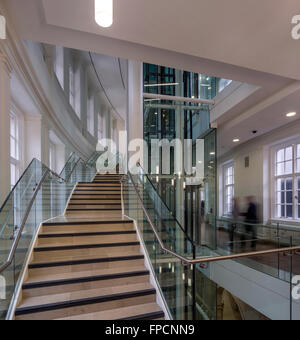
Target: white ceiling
<point x="255" y="34"/>
<point x="244" y="40"/>
<point x="110" y="78"/>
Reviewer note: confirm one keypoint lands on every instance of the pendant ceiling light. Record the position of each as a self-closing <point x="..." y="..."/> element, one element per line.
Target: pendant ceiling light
<point x="104" y="12"/>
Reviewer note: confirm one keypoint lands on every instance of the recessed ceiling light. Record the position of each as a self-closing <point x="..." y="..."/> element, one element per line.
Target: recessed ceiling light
<point x="104" y="12"/>
<point x="236" y="140"/>
<point x="291" y="114"/>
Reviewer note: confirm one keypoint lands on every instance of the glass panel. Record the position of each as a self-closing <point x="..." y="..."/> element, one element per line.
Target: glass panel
<point x="22" y="208"/>
<point x="289" y="153"/>
<point x="289" y="184"/>
<point x="280" y="156"/>
<point x="289" y="197"/>
<point x="280" y="169"/>
<point x="288" y="167"/>
<point x="289" y="211"/>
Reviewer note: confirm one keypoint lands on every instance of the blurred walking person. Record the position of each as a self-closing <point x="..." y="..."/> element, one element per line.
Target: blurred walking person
<point x="251" y="219"/>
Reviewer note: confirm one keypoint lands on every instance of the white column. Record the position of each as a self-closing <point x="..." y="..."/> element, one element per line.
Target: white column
<point x="135" y="100"/>
<point x="135" y="116"/>
<point x="5" y="72"/>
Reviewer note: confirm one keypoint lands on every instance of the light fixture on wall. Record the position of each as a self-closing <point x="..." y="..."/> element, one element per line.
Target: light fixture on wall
<point x="104" y="10"/>
<point x="236" y="140"/>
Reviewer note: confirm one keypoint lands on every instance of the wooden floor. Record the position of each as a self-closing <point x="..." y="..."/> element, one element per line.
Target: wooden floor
<point x="88" y="265"/>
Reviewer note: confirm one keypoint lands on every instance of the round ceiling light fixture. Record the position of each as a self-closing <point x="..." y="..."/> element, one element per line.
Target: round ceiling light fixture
<point x="104" y="10"/>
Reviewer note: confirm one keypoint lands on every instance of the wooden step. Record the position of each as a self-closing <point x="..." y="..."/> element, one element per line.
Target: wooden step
<point x="95" y="201"/>
<point x="88" y="264"/>
<point x="99" y="186"/>
<point x="85" y="252"/>
<point x="100" y="196"/>
<point x="88" y="226"/>
<point x="94" y="214"/>
<point x="84" y="281"/>
<point x="149" y="311"/>
<point x="82" y="239"/>
<point x="85" y="302"/>
<point x="89" y="229"/>
<point x="94" y="206"/>
<point x="107" y="192"/>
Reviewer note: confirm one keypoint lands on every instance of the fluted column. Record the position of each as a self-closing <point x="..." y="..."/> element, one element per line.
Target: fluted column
<point x="5" y="74"/>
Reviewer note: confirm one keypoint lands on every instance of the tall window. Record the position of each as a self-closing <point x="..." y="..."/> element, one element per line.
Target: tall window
<point x="287" y="182"/>
<point x="228" y="189"/>
<point x="15" y="149"/>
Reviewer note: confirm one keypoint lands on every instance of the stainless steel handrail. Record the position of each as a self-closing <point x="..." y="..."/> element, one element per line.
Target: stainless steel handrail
<point x="70" y="157"/>
<point x="15" y="244"/>
<point x="205" y="259"/>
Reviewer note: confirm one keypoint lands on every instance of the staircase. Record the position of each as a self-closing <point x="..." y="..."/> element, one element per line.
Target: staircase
<point x="88" y="264"/>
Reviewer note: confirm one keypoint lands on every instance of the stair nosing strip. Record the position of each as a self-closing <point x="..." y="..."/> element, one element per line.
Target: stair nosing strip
<point x="90" y="209"/>
<point x="41" y="284"/>
<point x="101" y="233"/>
<point x="93" y="204"/>
<point x="83" y="302"/>
<point x="87" y="223"/>
<point x="85" y="261"/>
<point x="94" y="199"/>
<point x="86" y="246"/>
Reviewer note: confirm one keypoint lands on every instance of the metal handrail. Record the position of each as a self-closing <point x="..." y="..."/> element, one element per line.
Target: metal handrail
<point x="15" y="244"/>
<point x="14" y="187"/>
<point x="206" y="259"/>
<point x="70" y="157"/>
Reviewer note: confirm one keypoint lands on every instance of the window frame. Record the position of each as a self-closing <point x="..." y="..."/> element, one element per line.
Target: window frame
<point x="16" y="159"/>
<point x="225" y="187"/>
<point x="294" y="176"/>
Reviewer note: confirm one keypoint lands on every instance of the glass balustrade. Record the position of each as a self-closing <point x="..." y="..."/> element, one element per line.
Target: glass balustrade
<point x="188" y="290"/>
<point x="38" y="196"/>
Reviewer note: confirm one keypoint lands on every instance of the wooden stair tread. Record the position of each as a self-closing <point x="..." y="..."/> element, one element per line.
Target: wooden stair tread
<point x="85" y="240"/>
<point x="79" y="295"/>
<point x="120" y="313"/>
<point x="72" y="275"/>
<point x="87" y="257"/>
<point x="88" y="265"/>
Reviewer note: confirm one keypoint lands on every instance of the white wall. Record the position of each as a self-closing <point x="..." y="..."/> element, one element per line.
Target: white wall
<point x="254" y="181"/>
